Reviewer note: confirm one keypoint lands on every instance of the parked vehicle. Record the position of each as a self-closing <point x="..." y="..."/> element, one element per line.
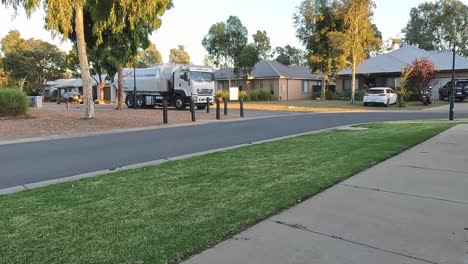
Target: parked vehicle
<point x="178" y="84"/>
<point x="380" y="95"/>
<point x="426" y="96"/>
<point x="461" y="90"/>
<point x="73" y="97"/>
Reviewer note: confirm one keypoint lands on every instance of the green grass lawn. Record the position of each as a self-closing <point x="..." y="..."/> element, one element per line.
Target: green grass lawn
<point x="164" y="213"/>
<point x="348" y="105"/>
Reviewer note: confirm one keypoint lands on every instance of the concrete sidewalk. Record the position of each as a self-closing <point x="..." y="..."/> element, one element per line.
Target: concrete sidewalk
<point x="412" y="208"/>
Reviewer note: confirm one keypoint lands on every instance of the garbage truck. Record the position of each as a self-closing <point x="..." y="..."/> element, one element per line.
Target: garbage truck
<point x="178" y="84"/>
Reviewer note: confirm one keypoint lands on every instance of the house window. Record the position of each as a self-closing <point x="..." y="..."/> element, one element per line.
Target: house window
<point x="272" y="87"/>
<point x="347" y="84"/>
<point x="305" y="87"/>
<point x="261" y="85"/>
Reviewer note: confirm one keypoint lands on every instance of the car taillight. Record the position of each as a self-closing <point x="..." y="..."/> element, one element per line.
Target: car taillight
<point x="382" y="94"/>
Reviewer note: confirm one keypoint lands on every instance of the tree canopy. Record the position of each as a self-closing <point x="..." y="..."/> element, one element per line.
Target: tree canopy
<point x="438" y="25"/>
<point x="289" y="55"/>
<point x="262" y="43"/>
<point x="32" y="61"/>
<point x="248" y="57"/>
<point x="149" y="57"/>
<point x="422" y="74"/>
<point x="4" y="77"/>
<point x="357" y="39"/>
<point x="314" y="21"/>
<point x="128" y="22"/>
<point x="225" y="41"/>
<point x="179" y="55"/>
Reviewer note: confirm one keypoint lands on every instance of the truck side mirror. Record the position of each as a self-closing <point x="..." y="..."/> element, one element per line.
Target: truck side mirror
<point x="186" y="77"/>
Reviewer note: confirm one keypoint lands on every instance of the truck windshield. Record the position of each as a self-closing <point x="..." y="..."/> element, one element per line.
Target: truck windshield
<point x="202" y="76"/>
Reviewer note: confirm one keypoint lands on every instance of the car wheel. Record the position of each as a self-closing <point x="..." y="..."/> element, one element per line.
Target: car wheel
<point x="179" y="103"/>
<point x="441" y="97"/>
<point x="129" y="101"/>
<point x="366" y="104"/>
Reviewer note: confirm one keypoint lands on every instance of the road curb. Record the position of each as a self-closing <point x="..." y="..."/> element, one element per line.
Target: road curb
<point x="36" y="185"/>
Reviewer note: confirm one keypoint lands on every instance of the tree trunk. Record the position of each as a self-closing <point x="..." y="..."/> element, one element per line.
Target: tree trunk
<point x="120" y="87"/>
<point x="353" y="82"/>
<point x="21" y="83"/>
<point x="323" y="93"/>
<point x="101" y="90"/>
<point x="84" y="66"/>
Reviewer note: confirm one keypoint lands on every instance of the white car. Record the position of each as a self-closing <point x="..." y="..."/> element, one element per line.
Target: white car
<point x="380" y="95"/>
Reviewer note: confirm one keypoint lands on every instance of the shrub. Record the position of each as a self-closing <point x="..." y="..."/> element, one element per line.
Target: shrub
<point x="260" y="96"/>
<point x="13" y="102"/>
<point x="223" y="94"/>
<point x="342" y="96"/>
<point x="243" y="95"/>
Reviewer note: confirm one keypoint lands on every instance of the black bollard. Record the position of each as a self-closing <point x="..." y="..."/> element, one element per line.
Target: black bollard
<point x="208" y="105"/>
<point x="192" y="109"/>
<point x="225" y="106"/>
<point x="165" y="112"/>
<point x="241" y="103"/>
<point x="218" y="110"/>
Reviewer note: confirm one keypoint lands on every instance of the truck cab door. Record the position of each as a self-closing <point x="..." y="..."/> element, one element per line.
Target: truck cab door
<point x="183" y="80"/>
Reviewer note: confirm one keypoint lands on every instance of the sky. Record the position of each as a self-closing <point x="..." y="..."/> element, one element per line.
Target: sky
<point x="189" y="21"/>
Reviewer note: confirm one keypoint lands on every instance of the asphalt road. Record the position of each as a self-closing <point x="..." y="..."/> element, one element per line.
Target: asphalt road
<point x="25" y="163"/>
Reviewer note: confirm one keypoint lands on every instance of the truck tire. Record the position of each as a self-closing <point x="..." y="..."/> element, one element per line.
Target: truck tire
<point x="140" y="101"/>
<point x="179" y="103"/>
<point x="129" y="101"/>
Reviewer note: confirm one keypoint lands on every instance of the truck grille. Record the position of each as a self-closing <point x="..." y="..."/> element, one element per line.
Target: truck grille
<point x="205" y="91"/>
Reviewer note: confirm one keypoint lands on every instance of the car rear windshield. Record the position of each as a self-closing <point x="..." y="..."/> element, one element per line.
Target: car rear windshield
<point x="462" y="84"/>
<point x="373" y="91"/>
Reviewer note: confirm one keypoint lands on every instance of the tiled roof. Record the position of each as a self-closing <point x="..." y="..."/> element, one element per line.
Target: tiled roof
<point x="271" y="69"/>
<point x="396" y="61"/>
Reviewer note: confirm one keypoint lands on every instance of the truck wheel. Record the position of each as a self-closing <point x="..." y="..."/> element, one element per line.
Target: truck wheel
<point x="129" y="101"/>
<point x="140" y="102"/>
<point x="179" y="103"/>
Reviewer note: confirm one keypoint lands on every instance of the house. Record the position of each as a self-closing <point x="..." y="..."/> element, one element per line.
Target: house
<point x="385" y="69"/>
<point x="283" y="82"/>
<point x="76" y="85"/>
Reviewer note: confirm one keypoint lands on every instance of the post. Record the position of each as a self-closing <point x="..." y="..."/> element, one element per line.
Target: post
<point x="218" y="110"/>
<point x="165" y="121"/>
<point x="192" y="109"/>
<point x="452" y="95"/>
<point x="225" y="106"/>
<point x="208" y="105"/>
<point x="68" y="106"/>
<point x="241" y="103"/>
<point x="134" y="89"/>
<point x="58" y="96"/>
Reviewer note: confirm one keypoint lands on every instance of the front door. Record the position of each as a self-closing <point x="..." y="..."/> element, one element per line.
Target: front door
<point x="182" y="84"/>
